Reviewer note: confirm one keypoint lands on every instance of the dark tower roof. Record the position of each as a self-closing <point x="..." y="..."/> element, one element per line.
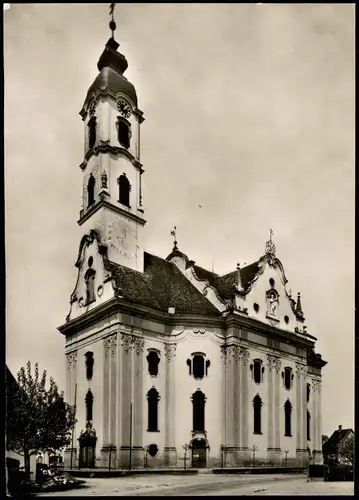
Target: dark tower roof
<point x="112" y="65"/>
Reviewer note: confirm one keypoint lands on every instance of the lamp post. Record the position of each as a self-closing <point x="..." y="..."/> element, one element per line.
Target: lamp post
<point x="130" y="464"/>
<point x="309" y="460"/>
<point x="111" y="448"/>
<point x="254" y="449"/>
<point x="186" y="448"/>
<point x="286" y="457"/>
<point x="146" y="448"/>
<point x="223" y="449"/>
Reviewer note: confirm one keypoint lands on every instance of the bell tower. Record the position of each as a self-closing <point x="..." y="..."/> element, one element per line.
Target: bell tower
<point x="112" y="170"/>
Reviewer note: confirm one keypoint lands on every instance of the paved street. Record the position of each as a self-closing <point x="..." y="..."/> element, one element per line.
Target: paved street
<point x="208" y="484"/>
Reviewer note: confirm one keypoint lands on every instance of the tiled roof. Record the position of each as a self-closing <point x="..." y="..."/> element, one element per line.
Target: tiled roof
<point x="160" y="286"/>
<point x="225" y="285"/>
<point x="335" y="440"/>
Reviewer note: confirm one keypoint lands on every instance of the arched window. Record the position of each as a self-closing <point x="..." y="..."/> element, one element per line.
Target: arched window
<point x="287" y="376"/>
<point x="288" y="418"/>
<point x="308" y="426"/>
<point x="153" y="398"/>
<point x="91" y="191"/>
<point x="89" y="405"/>
<point x="257" y="410"/>
<point x="308" y="392"/>
<point x="90" y="286"/>
<point x="92" y="132"/>
<point x="198" y="401"/>
<point x="124" y="132"/>
<point x="257" y="370"/>
<point x="124" y="190"/>
<point x="89" y="365"/>
<point x="198" y="365"/>
<point x="153" y="360"/>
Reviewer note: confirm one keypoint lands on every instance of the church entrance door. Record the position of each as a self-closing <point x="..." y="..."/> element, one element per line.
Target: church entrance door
<point x="87" y="441"/>
<point x="199" y="453"/>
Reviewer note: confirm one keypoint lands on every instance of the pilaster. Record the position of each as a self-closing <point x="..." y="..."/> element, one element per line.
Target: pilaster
<point x="126" y="395"/>
<point x="106" y="401"/>
<point x="276" y="453"/>
<point x="301" y="414"/>
<point x="317" y="423"/>
<point x="237" y="397"/>
<point x="304" y="409"/>
<point x="113" y="396"/>
<point x="137" y="408"/>
<point x="71" y="379"/>
<point x="170" y="453"/>
<point x="119" y="400"/>
<point x="244" y="451"/>
<point x="229" y="373"/>
<point x="271" y="378"/>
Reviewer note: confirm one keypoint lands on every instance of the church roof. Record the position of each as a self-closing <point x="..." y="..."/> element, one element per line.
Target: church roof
<point x="248" y="273"/>
<point x="225" y="284"/>
<point x="160" y="286"/>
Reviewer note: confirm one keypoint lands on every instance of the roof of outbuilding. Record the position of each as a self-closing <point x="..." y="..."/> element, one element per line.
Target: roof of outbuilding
<point x="336" y="439"/>
<point x="160" y="286"/>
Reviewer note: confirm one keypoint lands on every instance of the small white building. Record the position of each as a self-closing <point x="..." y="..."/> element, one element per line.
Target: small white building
<point x="162" y="353"/>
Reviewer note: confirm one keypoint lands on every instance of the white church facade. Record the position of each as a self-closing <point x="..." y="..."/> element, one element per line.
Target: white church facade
<point x="161" y="354"/>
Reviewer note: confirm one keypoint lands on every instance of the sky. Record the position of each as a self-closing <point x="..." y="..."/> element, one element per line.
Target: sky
<point x="249" y="113"/>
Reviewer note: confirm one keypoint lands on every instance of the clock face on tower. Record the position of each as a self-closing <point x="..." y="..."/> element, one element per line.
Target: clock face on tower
<point x="124" y="109"/>
<point x="120" y="236"/>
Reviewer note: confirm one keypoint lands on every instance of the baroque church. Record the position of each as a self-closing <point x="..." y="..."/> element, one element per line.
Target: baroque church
<point x="163" y="357"/>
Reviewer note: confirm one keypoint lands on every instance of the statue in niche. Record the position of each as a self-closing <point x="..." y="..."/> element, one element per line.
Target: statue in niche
<point x="273" y="304"/>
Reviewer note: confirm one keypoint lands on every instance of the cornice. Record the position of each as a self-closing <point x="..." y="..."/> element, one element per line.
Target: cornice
<point x="105" y="204"/>
<point x="120" y="305"/>
<point x="108" y="93"/>
<point x="255" y="326"/>
<point x="105" y="148"/>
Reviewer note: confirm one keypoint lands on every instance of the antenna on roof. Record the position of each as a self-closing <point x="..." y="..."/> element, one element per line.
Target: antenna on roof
<point x="212" y="265"/>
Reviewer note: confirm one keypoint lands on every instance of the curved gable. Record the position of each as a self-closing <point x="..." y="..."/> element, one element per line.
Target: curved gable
<point x="266" y="297"/>
<point x="93" y="285"/>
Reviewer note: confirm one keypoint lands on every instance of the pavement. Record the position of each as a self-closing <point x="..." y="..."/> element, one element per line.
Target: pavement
<point x="208" y="484"/>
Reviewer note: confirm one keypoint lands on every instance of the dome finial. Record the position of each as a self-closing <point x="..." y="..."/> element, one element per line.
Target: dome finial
<point x="174" y="234"/>
<point x="270" y="246"/>
<point x="112" y="22"/>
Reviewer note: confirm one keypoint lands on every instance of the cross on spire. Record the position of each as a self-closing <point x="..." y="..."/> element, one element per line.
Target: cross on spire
<point x="112" y="22"/>
<point x="174" y="234"/>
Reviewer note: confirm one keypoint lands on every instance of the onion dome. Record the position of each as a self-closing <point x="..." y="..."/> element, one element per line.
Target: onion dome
<point x="112" y="65"/>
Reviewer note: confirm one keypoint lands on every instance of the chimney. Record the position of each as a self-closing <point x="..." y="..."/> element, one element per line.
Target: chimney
<point x="339" y="428"/>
